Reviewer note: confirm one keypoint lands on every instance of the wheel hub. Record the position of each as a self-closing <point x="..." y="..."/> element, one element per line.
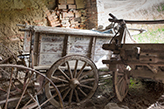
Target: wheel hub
<point x="74" y="83"/>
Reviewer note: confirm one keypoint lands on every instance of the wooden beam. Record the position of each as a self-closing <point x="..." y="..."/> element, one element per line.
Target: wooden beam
<point x="65" y="31"/>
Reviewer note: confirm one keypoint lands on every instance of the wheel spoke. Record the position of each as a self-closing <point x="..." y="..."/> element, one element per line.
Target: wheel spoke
<point x="60" y="92"/>
<point x="64" y="73"/>
<point x="27" y="103"/>
<point x="56" y="78"/>
<point x="89" y="87"/>
<point x="82" y="92"/>
<point x="61" y="85"/>
<point x="70" y="97"/>
<point x="35" y="101"/>
<point x="24" y="90"/>
<point x="77" y="97"/>
<point x="85" y="74"/>
<point x="66" y="93"/>
<point x="10" y="100"/>
<point x="87" y="80"/>
<point x="126" y="79"/>
<point x="53" y="96"/>
<point x="119" y="81"/>
<point x="123" y="88"/>
<point x="120" y="89"/>
<point x="75" y="69"/>
<point x="120" y="74"/>
<point x="81" y="76"/>
<point x="8" y="92"/>
<point x="69" y="69"/>
<point x="81" y="70"/>
<point x="5" y="72"/>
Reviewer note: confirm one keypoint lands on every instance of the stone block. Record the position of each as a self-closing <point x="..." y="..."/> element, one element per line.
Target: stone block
<point x="62" y="1"/>
<point x="70" y="2"/>
<point x="68" y="15"/>
<point x="62" y="6"/>
<point x="71" y="6"/>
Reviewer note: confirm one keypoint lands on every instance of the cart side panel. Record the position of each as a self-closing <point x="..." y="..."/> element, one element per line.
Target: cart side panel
<point x="78" y="45"/>
<point x="51" y="49"/>
<point x="99" y="53"/>
<point x="26" y="46"/>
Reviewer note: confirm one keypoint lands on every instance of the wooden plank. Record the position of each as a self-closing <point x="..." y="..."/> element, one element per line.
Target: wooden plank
<point x="26" y="46"/>
<point x="62" y="1"/>
<point x="51" y="48"/>
<point x="67" y="31"/>
<point x="49" y="59"/>
<point x="138" y="21"/>
<point x="70" y="2"/>
<point x="79" y="44"/>
<point x="145" y="46"/>
<point x="65" y="46"/>
<point x="92" y="48"/>
<point x="99" y="52"/>
<point x="37" y="42"/>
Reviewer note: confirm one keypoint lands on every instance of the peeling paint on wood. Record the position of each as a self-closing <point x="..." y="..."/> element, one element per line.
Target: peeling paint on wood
<point x="78" y="44"/>
<point x="26" y="46"/>
<point x="99" y="52"/>
<point x="52" y="47"/>
<point x="49" y="59"/>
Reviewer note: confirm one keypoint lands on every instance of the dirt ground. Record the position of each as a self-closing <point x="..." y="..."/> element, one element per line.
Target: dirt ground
<point x="143" y="94"/>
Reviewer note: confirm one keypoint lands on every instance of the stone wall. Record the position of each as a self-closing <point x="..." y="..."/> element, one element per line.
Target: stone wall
<point x="92" y="14"/>
<point x="32" y="12"/>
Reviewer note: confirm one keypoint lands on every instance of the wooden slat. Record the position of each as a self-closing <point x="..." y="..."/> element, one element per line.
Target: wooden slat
<point x="137" y="21"/>
<point x="65" y="46"/>
<point x="66" y="31"/>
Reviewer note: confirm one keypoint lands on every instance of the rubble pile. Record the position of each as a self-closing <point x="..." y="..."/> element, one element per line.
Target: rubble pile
<point x="68" y="14"/>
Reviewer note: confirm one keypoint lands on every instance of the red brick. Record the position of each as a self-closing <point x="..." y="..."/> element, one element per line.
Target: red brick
<point x="53" y="24"/>
<point x="52" y="17"/>
<point x="77" y="14"/>
<point x="47" y="13"/>
<point x="62" y="6"/>
<point x="73" y="22"/>
<point x="71" y="6"/>
<point x="68" y="15"/>
<point x="62" y="2"/>
<point x="70" y="2"/>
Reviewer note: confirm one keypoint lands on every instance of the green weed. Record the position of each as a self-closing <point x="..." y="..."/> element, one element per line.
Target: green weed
<point x="151" y="36"/>
<point x="160" y="8"/>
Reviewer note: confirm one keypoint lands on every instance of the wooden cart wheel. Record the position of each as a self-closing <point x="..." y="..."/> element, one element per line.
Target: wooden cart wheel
<point x="21" y="89"/>
<point x="121" y="80"/>
<point x="75" y="76"/>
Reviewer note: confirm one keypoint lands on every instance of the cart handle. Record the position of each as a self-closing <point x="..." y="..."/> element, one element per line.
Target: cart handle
<point x="115" y="20"/>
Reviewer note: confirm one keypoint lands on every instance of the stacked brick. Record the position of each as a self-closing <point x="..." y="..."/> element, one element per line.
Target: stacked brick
<point x="68" y="14"/>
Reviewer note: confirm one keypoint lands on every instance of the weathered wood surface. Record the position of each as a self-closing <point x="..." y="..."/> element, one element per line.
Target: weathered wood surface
<point x="137" y="21"/>
<point x="48" y="48"/>
<point x="65" y="31"/>
<point x="143" y="46"/>
<point x="50" y="44"/>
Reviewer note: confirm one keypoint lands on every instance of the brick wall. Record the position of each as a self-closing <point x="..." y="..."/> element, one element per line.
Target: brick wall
<point x="92" y="16"/>
<point x="77" y="14"/>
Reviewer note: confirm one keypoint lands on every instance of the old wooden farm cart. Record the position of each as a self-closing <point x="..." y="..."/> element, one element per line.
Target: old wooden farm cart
<point x="68" y="57"/>
<point x="20" y="86"/>
<point x="144" y="60"/>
